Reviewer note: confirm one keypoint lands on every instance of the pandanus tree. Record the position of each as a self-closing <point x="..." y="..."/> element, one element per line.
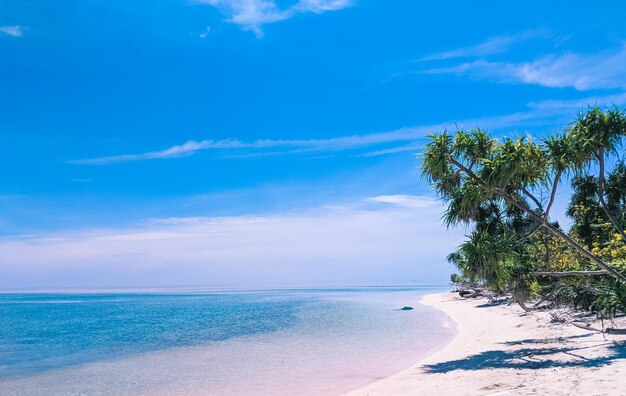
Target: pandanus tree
<point x="598" y="137"/>
<point x="470" y="170"/>
<point x="584" y="209"/>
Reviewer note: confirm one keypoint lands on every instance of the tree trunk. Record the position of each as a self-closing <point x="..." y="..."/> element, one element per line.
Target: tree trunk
<point x="524" y="307"/>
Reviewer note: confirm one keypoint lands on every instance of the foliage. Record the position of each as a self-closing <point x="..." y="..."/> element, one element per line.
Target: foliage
<point x="585" y="210"/>
<point x="612" y="250"/>
<point x="502" y="191"/>
<point x="611" y="302"/>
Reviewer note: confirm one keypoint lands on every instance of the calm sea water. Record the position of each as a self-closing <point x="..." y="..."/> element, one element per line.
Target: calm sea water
<point x="48" y="342"/>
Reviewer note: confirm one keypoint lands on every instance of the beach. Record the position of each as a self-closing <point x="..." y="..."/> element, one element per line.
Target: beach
<point x="502" y="350"/>
<point x="352" y="342"/>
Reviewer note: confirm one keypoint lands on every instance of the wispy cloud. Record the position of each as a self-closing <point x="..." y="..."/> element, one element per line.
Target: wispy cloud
<point x="396" y="243"/>
<point x="547" y="113"/>
<point x="394" y="150"/>
<point x="14" y="31"/>
<point x="287" y="146"/>
<point x="543" y="113"/>
<point x="602" y="70"/>
<point x="204" y="34"/>
<point x="492" y="46"/>
<point x="407" y="201"/>
<point x="253" y="14"/>
<point x="178" y="151"/>
<point x="319" y="6"/>
<point x="578" y="104"/>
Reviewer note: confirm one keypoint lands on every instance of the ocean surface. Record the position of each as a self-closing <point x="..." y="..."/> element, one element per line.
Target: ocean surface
<point x="239" y="342"/>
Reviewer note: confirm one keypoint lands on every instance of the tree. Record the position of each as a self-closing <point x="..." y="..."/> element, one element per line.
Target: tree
<point x="598" y="136"/>
<point x="472" y="172"/>
<point x="585" y="210"/>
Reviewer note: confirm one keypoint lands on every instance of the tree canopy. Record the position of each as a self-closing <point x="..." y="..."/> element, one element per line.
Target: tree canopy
<point x="504" y="190"/>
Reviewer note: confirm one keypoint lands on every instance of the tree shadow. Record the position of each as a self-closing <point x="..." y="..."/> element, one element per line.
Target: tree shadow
<point x="502" y="301"/>
<point x="546" y="340"/>
<point x="530" y="358"/>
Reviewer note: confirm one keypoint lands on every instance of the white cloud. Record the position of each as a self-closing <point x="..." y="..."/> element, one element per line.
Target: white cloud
<point x="252" y="14"/>
<point x="492" y="46"/>
<point x="183" y="150"/>
<point x="603" y="70"/>
<point x="549" y="112"/>
<point x="583" y="72"/>
<point x="396" y="243"/>
<point x="293" y="146"/>
<point x="319" y="6"/>
<point x="14" y="31"/>
<point x="205" y="33"/>
<point x="395" y="150"/>
<point x="578" y="104"/>
<point x="407" y="201"/>
<point x="540" y="113"/>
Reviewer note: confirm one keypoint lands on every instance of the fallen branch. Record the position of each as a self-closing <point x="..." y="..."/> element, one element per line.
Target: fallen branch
<point x="587" y="327"/>
<point x="471" y="293"/>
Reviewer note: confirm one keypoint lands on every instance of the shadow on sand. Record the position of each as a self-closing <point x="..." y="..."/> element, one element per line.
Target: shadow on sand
<point x="495" y="303"/>
<point x="546" y="340"/>
<point x="532" y="358"/>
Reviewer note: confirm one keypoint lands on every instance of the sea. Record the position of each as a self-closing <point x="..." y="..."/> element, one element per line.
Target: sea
<point x="213" y="341"/>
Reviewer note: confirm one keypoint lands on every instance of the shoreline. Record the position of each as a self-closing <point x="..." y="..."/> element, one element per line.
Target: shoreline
<point x="502" y="350"/>
<point x="338" y="341"/>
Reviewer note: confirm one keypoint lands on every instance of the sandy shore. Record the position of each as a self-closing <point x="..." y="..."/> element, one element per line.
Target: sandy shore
<point x="501" y="350"/>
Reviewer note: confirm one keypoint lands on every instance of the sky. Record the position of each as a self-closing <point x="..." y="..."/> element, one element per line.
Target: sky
<point x="262" y="142"/>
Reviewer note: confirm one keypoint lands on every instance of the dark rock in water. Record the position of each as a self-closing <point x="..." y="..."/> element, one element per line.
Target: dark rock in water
<point x="405" y="308"/>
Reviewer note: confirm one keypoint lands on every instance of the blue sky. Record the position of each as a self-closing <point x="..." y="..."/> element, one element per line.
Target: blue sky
<point x="226" y="142"/>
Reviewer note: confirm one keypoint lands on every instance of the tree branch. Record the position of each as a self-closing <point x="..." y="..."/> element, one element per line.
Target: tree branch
<point x="467" y="170"/>
<point x="532" y="197"/>
<point x="555" y="184"/>
<point x="557" y="274"/>
<point x="530" y="233"/>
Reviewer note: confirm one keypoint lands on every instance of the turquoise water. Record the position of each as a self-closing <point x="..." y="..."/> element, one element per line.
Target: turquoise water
<point x="44" y="331"/>
<point x="42" y="336"/>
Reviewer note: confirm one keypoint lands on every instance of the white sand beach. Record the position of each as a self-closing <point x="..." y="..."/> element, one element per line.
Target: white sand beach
<point x="502" y="350"/>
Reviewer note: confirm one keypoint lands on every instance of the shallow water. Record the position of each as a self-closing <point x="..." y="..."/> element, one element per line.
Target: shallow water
<point x="212" y="342"/>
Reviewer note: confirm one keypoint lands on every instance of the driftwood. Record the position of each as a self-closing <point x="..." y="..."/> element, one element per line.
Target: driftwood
<point x="608" y="330"/>
<point x="471" y="293"/>
<point x="556" y="318"/>
<point x="587" y="327"/>
<point x="545" y="303"/>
